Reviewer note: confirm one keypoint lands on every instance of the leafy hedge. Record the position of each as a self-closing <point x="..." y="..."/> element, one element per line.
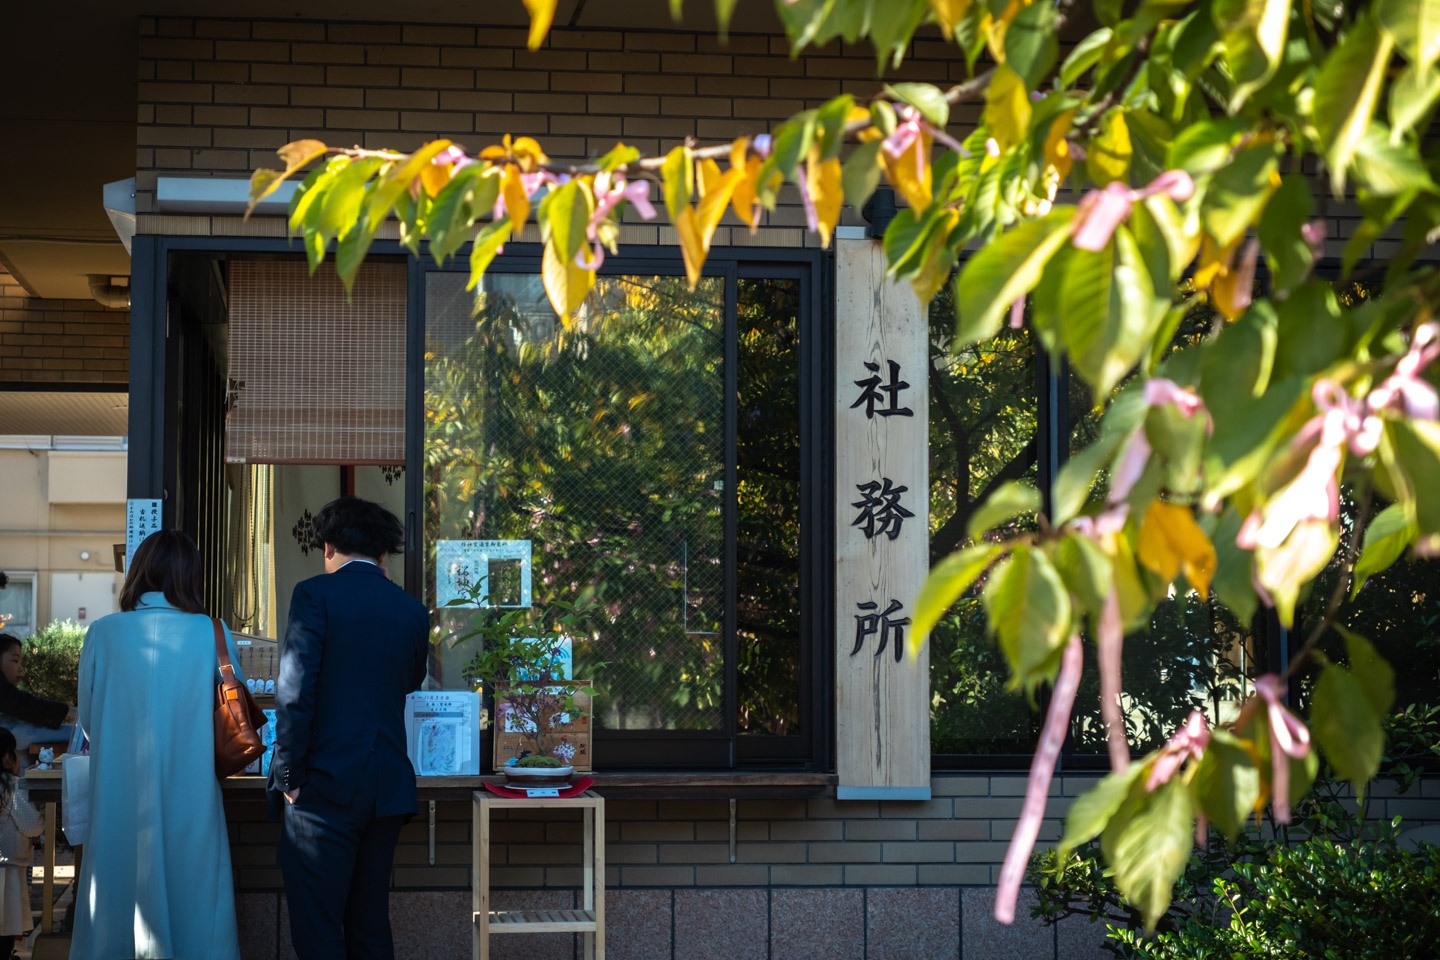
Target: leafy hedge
<point x="52" y="661"/>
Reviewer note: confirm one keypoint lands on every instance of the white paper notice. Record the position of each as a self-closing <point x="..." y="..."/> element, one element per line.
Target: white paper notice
<point x="142" y="518"/>
<point x="461" y="564"/>
<point x="442" y="732"/>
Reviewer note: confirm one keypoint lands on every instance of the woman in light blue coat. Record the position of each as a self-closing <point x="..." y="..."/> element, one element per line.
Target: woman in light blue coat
<point x="155" y="880"/>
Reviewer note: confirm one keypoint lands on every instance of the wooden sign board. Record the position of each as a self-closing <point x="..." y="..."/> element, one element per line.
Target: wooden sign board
<point x="882" y="493"/>
<point x="572" y="736"/>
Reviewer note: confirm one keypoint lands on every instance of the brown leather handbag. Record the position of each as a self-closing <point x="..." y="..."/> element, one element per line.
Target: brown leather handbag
<point x="238" y="718"/>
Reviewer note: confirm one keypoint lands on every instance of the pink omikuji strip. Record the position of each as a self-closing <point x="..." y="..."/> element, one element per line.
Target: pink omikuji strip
<point x="1042" y="769"/>
<point x="1109" y="650"/>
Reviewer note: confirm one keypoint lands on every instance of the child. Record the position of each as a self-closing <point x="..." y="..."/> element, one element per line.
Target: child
<point x="20" y="824"/>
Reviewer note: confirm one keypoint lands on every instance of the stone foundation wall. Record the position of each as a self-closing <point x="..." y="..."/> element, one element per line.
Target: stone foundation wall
<point x="811" y="878"/>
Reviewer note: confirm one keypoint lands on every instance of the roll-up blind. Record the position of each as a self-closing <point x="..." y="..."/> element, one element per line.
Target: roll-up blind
<point x="312" y="378"/>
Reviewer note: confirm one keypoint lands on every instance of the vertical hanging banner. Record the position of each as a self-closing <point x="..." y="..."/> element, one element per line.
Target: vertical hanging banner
<point x="142" y="518"/>
<point x="882" y="484"/>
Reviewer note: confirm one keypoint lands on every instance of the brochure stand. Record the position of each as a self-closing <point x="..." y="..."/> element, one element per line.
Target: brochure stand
<point x="588" y="921"/>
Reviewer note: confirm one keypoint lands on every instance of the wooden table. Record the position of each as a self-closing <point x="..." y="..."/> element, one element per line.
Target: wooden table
<point x="589" y="921"/>
<point x="44" y="788"/>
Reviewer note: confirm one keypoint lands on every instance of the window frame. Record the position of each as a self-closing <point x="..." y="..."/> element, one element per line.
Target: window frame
<point x="31" y="577"/>
<point x="153" y="468"/>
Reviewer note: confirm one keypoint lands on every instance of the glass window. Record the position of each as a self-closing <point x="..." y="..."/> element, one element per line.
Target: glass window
<point x="17" y="604"/>
<point x="598" y="450"/>
<point x="983" y="429"/>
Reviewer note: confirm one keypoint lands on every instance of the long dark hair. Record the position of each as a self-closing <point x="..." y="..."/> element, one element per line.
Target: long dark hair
<point x="167" y="561"/>
<point x="7" y="747"/>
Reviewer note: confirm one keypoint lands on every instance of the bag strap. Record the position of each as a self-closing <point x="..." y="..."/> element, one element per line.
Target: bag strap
<point x="222" y="649"/>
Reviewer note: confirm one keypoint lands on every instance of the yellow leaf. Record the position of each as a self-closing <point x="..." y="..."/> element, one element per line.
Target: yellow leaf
<point x="542" y="12"/>
<point x="910" y="174"/>
<point x="823" y="179"/>
<point x="299" y="153"/>
<point x="1007" y="108"/>
<point x="527" y="153"/>
<point x="692" y="249"/>
<point x="743" y="199"/>
<point x="565" y="283"/>
<point x="1170" y="542"/>
<point x="948" y="13"/>
<point x="1108" y="156"/>
<point x="1214" y="261"/>
<point x="1057" y="148"/>
<point x="434" y="176"/>
<point x="715" y="193"/>
<point x="517" y="205"/>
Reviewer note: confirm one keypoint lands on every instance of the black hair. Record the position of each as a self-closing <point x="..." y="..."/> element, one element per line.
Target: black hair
<point x="4" y="580"/>
<point x="8" y="640"/>
<point x="360" y="528"/>
<point x="166" y="562"/>
<point x="7" y="747"/>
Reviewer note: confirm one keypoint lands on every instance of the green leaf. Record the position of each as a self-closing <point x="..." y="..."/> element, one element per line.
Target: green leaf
<point x="1414" y="25"/>
<point x="1312" y="333"/>
<point x="1086" y="570"/>
<point x="947" y="580"/>
<point x="1205" y="147"/>
<point x="1108" y="305"/>
<point x="1289" y="209"/>
<point x="1029" y="610"/>
<point x="312" y="190"/>
<point x="1386" y="168"/>
<point x="1238" y="192"/>
<point x="925" y="97"/>
<point x="1254" y="34"/>
<point x="1004" y="270"/>
<point x="830" y="120"/>
<point x="1386" y="538"/>
<point x="397" y="180"/>
<point x="1032" y="43"/>
<point x="1346" y="726"/>
<point x="487" y="244"/>
<point x="1085" y="55"/>
<point x="1077" y="476"/>
<point x="619" y="156"/>
<point x="350" y="251"/>
<point x="341" y="207"/>
<point x="1093" y="809"/>
<point x="1412" y="96"/>
<point x="1009" y="500"/>
<point x="678" y="172"/>
<point x="1147" y="844"/>
<point x="1417" y="450"/>
<point x="1375" y="675"/>
<point x="468" y="194"/>
<point x="1234" y="581"/>
<point x="563" y="216"/>
<point x="1345" y="93"/>
<point x="1227" y="784"/>
<point x="860" y="174"/>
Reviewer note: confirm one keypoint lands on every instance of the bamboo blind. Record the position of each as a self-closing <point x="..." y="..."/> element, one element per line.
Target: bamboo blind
<point x="313" y="379"/>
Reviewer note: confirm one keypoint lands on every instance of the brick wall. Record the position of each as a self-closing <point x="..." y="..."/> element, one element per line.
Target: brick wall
<point x="216" y="97"/>
<point x="811" y="877"/>
<point x="58" y="341"/>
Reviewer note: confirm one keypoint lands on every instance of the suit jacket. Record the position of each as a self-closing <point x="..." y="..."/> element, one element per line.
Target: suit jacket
<point x="355" y="646"/>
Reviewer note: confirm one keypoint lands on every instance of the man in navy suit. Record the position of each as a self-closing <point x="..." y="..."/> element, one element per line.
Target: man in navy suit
<point x="340" y="780"/>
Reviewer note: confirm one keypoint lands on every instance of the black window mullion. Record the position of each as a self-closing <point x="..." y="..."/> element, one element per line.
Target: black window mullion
<point x="730" y="500"/>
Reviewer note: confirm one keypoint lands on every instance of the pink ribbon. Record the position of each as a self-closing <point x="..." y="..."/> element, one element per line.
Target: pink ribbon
<point x="1187" y="743"/>
<point x="908" y="130"/>
<point x="1158" y="392"/>
<point x="453" y="155"/>
<point x="1042" y="769"/>
<point x="1288" y="738"/>
<point x="1110" y="650"/>
<point x="1101" y="211"/>
<point x="1417" y="398"/>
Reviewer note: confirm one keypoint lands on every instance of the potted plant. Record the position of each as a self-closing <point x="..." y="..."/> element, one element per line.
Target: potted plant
<point x="523" y="664"/>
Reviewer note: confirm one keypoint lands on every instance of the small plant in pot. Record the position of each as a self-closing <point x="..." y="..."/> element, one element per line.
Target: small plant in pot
<point x="522" y="664"/>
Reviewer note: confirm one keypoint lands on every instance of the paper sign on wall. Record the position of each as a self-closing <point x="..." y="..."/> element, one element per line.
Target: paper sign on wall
<point x="442" y="732"/>
<point x="461" y="564"/>
<point x="142" y="518"/>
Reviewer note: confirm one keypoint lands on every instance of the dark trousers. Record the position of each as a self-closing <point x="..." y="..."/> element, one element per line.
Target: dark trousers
<point x="336" y="864"/>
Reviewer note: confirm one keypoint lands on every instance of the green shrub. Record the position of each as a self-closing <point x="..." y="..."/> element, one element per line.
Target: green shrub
<point x="52" y="661"/>
<point x="538" y="760"/>
<point x="1318" y="899"/>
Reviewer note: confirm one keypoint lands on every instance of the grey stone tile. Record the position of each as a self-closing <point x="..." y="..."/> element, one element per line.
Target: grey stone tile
<point x="722" y="924"/>
<point x="805" y="924"/>
<point x="637" y="924"/>
<point x="430" y="924"/>
<point x="916" y="923"/>
<point x="1025" y="939"/>
<point x="1076" y="938"/>
<point x="256" y="917"/>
